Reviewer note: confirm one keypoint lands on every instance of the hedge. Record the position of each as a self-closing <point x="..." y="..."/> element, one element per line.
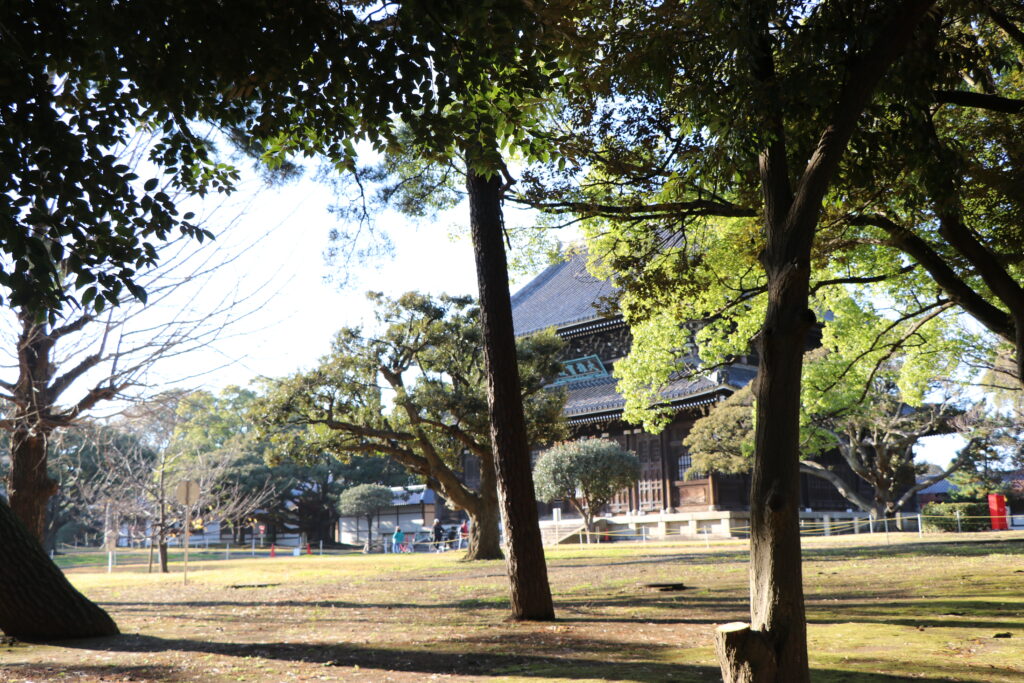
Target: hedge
<point x="942" y="516"/>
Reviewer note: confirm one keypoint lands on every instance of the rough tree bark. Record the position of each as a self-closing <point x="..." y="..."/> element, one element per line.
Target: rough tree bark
<point x="29" y="486"/>
<point x="37" y="603"/>
<point x="484" y="536"/>
<point x="527" y="569"/>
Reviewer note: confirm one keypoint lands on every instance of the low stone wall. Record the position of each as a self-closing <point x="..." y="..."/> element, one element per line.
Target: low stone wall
<point x="712" y="524"/>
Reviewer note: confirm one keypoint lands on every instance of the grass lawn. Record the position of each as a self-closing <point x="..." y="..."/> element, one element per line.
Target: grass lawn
<point x="919" y="609"/>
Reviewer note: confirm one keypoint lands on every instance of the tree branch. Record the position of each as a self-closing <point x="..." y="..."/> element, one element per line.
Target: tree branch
<point x="963" y="455"/>
<point x="61" y="383"/>
<point x="818" y="470"/>
<point x="665" y="209"/>
<point x="966" y="98"/>
<point x="856" y="93"/>
<point x="71" y="328"/>
<point x="992" y="317"/>
<point x="861" y="280"/>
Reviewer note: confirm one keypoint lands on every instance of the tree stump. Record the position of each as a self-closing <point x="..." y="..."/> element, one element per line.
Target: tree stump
<point x="743" y="654"/>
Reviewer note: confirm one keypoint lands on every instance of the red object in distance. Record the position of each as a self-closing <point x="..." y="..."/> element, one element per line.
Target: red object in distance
<point x="997" y="511"/>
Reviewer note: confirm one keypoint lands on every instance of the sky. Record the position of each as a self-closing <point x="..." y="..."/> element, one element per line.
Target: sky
<point x="299" y="306"/>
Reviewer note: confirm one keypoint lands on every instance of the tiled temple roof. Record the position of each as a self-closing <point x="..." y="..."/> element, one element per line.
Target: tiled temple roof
<point x="600" y="395"/>
<point x="563" y="294"/>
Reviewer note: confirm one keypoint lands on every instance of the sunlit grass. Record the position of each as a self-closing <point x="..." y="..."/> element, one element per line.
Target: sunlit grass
<point x="896" y="609"/>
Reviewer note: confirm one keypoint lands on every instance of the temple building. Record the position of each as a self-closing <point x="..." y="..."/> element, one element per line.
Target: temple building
<point x="581" y="309"/>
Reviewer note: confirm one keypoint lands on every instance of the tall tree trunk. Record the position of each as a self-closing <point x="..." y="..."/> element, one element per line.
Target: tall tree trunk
<point x="37" y="603"/>
<point x="527" y="569"/>
<point x="776" y="580"/>
<point x="29" y="486"/>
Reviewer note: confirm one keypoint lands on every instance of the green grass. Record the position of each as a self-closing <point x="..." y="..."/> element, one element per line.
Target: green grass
<point x="913" y="609"/>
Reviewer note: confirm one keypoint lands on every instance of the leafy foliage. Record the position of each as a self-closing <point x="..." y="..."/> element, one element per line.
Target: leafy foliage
<point x="364" y="500"/>
<point x="943" y="516"/>
<point x="587" y="473"/>
<point x="723" y="440"/>
<point x="413" y="390"/>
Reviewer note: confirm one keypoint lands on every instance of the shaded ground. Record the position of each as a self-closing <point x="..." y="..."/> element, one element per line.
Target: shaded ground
<point x="917" y="611"/>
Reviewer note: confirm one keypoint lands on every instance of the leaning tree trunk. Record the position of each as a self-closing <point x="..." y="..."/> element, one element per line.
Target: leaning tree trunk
<point x="37" y="603"/>
<point x="530" y="593"/>
<point x="29" y="486"/>
<point x="484" y="532"/>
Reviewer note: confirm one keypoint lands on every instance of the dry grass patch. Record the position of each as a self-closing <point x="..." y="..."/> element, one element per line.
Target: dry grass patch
<point x="908" y="611"/>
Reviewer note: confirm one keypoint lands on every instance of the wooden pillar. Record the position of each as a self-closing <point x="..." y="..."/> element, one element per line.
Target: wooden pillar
<point x="666" y="470"/>
<point x="712" y="490"/>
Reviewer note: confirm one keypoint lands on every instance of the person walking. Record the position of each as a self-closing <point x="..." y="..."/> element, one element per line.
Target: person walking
<point x="398" y="541"/>
<point x="437" y="533"/>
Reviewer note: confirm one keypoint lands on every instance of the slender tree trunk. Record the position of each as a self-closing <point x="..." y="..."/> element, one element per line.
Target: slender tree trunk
<point x="775" y="646"/>
<point x="588" y="519"/>
<point x="37" y="603"/>
<point x="527" y="569"/>
<point x="162" y="531"/>
<point x="773" y="649"/>
<point x="776" y="579"/>
<point x="29" y="487"/>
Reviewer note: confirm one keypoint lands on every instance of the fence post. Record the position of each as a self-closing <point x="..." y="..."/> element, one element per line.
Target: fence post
<point x="885" y="521"/>
<point x="920" y="526"/>
<point x="227" y="551"/>
<point x="959" y="530"/>
<point x="828" y="524"/>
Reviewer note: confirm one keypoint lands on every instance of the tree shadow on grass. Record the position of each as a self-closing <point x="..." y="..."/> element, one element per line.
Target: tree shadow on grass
<point x="949" y="613"/>
<point x="710" y="609"/>
<point x="92" y="672"/>
<point x="974" y="548"/>
<point x="564" y="658"/>
<point x="554" y="657"/>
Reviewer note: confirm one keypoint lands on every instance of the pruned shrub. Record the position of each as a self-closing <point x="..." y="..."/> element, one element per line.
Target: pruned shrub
<point x="942" y="516"/>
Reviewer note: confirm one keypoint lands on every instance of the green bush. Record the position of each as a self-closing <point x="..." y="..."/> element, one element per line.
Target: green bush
<point x="942" y="516"/>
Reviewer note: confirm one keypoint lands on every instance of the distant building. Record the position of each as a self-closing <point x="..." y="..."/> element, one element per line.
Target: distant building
<point x="936" y="493"/>
<point x="579" y="307"/>
<point x="414" y="510"/>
